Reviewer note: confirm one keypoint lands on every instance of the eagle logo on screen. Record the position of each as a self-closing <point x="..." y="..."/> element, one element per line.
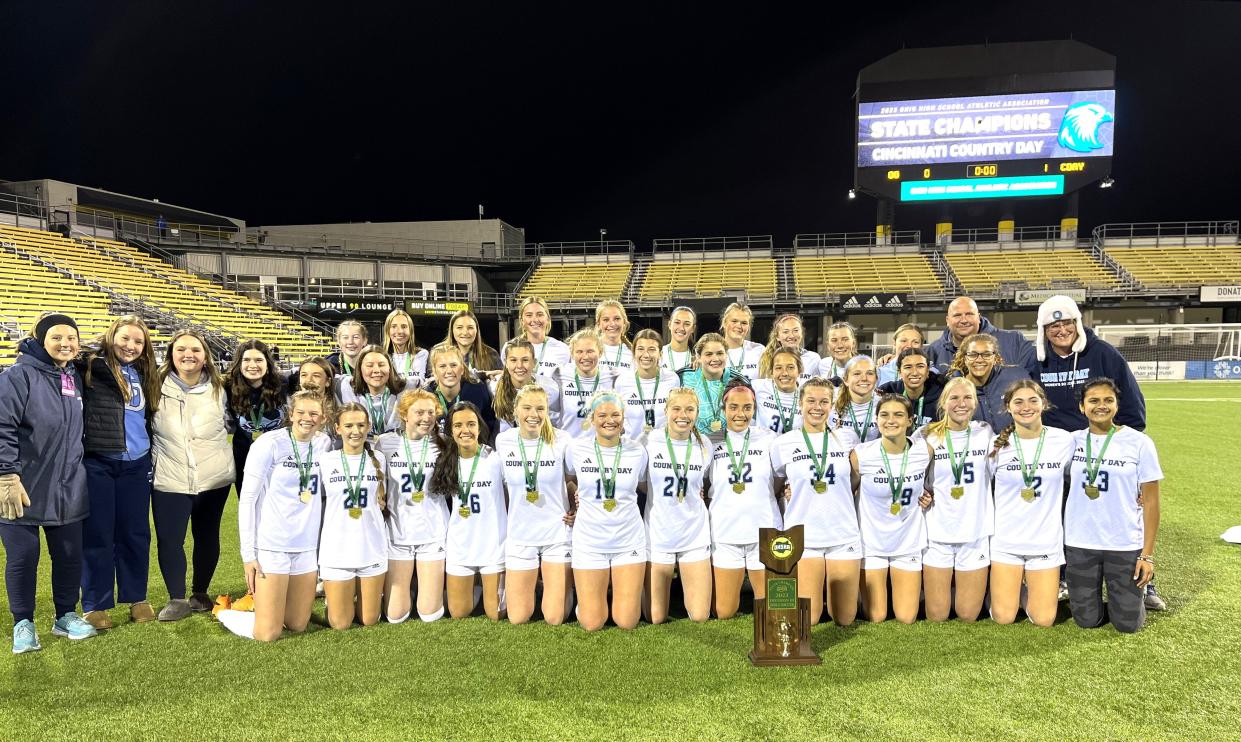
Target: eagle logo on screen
<point x="1079" y="129"/>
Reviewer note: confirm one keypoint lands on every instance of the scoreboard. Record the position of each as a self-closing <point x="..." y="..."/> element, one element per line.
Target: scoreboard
<point x="985" y="147"/>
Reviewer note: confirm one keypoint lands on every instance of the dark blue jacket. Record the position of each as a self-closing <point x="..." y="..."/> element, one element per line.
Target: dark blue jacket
<point x="41" y="437"/>
<point x="991" y="409"/>
<point x="480" y="395"/>
<point x="1063" y="377"/>
<point x="931" y="390"/>
<point x="1017" y="351"/>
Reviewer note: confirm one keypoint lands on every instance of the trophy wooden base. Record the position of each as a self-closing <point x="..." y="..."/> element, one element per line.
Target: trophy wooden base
<point x="769" y="650"/>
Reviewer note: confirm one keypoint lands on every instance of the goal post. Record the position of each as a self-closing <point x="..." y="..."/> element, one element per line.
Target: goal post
<point x="1176" y="352"/>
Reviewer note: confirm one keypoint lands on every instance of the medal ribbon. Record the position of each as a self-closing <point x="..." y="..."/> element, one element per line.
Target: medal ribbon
<point x="713" y="404"/>
<point x="957" y="464"/>
<point x="609" y="485"/>
<point x="785" y="422"/>
<point x="637" y="381"/>
<point x="581" y="410"/>
<point x="738" y="468"/>
<point x="921" y="400"/>
<point x="1027" y="476"/>
<point x="444" y="400"/>
<point x="896" y="483"/>
<point x="870" y="410"/>
<point x="1092" y="467"/>
<point x="379" y="415"/>
<point x="818" y="461"/>
<point x="303" y="471"/>
<point x="256" y="418"/>
<point x="352" y="486"/>
<point x="421" y="477"/>
<point x="531" y="475"/>
<point x="689" y="452"/>
<point x="463" y="492"/>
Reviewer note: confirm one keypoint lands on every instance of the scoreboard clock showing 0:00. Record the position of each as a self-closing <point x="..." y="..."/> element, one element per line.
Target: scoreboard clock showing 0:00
<point x="995" y="146"/>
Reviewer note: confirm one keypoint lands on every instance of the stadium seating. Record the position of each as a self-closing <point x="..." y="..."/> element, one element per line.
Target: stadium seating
<point x="712" y="277"/>
<point x="841" y="274"/>
<point x="985" y="270"/>
<point x="576" y="281"/>
<point x="172" y="295"/>
<point x="1180" y="266"/>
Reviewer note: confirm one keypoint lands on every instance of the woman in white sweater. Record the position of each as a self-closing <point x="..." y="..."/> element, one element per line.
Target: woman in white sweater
<point x="193" y="470"/>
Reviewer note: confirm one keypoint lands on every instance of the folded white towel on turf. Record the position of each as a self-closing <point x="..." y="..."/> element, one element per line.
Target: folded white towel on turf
<point x="1232" y="535"/>
<point x="240" y="623"/>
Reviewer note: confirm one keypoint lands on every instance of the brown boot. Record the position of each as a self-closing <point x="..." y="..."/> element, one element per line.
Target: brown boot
<point x="141" y="612"/>
<point x="98" y="619"/>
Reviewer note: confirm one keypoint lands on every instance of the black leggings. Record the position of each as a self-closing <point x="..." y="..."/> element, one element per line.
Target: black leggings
<point x="172" y="512"/>
<point x="21" y="546"/>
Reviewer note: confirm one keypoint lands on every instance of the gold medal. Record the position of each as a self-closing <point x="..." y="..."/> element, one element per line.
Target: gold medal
<point x="355" y="513"/>
<point x="463" y="511"/>
<point x="532" y="495"/>
<point x="957" y="491"/>
<point x="647" y="428"/>
<point x="1092" y="491"/>
<point x="895" y="509"/>
<point x="1028" y="494"/>
<point x="609" y="505"/>
<point x="738" y="487"/>
<point x="304" y="496"/>
<point x="819" y="486"/>
<point x="715" y="426"/>
<point x="417" y="497"/>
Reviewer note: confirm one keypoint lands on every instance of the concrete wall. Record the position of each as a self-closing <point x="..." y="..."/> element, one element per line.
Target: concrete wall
<point x="467" y="231"/>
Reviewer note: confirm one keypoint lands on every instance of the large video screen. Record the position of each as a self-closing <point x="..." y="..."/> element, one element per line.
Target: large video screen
<point x="986" y="128"/>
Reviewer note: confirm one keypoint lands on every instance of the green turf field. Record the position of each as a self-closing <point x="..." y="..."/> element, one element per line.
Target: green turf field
<point x="1180" y="678"/>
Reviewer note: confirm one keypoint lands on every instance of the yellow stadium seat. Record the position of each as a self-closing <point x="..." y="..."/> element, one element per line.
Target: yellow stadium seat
<point x="1180" y="266"/>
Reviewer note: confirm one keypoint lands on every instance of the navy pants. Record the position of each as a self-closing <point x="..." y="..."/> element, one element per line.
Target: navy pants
<point x="116" y="538"/>
<point x="202" y="512"/>
<point x="21" y="547"/>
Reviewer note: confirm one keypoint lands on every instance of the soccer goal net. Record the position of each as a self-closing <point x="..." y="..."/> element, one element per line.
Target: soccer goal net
<point x="1160" y="352"/>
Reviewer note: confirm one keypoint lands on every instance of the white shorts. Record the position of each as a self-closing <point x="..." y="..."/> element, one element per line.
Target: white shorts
<point x="1051" y="560"/>
<point x="583" y="559"/>
<point x="903" y="562"/>
<point x="346" y="573"/>
<point x="469" y="570"/>
<point x="735" y="556"/>
<point x="684" y="557"/>
<point x="528" y="557"/>
<point x="432" y="551"/>
<point x="288" y="562"/>
<point x="838" y="553"/>
<point x="962" y="557"/>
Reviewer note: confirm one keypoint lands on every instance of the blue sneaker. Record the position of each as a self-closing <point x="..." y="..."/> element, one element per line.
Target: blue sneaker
<point x="25" y="638"/>
<point x="73" y="626"/>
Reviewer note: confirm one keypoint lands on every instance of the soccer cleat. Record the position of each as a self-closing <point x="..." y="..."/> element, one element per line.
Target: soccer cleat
<point x="73" y="626"/>
<point x="25" y="638"/>
<point x="1152" y="600"/>
<point x="244" y="603"/>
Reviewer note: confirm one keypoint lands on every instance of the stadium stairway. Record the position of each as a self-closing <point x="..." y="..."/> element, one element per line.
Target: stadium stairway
<point x="947" y="278"/>
<point x="633" y="285"/>
<point x="786" y="283"/>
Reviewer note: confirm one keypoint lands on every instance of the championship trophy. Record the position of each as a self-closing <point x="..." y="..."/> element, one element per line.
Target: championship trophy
<point x="781" y="620"/>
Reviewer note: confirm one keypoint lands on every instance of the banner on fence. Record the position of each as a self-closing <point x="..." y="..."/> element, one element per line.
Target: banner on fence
<point x="1036" y="297"/>
<point x="1219" y="369"/>
<point x="1219" y="293"/>
<point x="1157" y="370"/>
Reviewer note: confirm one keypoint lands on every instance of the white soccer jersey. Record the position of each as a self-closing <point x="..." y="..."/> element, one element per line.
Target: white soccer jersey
<point x="809" y="365"/>
<point x="415" y="516"/>
<point x="348" y="542"/>
<point x="412" y="367"/>
<point x="1112" y="521"/>
<point x="538" y="523"/>
<point x="970" y="515"/>
<point x="829" y="517"/>
<point x="380" y="407"/>
<point x="477" y="539"/>
<point x="737" y="516"/>
<point x="553" y="400"/>
<point x="596" y="528"/>
<point x="829" y="369"/>
<point x="644" y="400"/>
<point x="618" y="358"/>
<point x="861" y="419"/>
<point x="885" y="533"/>
<point x="270" y="513"/>
<point x="775" y="410"/>
<point x="1035" y="527"/>
<point x="744" y="360"/>
<point x="676" y="514"/>
<point x="575" y="394"/>
<point x="675" y="360"/>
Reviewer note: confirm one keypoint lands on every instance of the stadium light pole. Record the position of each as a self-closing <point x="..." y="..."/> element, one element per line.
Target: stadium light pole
<point x="1107" y="182"/>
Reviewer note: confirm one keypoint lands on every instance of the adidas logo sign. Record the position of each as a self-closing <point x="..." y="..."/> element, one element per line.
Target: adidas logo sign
<point x="512" y="455"/>
<point x="633" y="553"/>
<point x="852" y="303"/>
<point x="895" y="303"/>
<point x="568" y="554"/>
<point x="659" y="457"/>
<point x="873" y="303"/>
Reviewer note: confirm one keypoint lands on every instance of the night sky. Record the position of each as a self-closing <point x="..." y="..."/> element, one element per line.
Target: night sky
<point x="651" y="121"/>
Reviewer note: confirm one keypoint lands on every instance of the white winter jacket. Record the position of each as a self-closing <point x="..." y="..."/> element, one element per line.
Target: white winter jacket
<point x="189" y="439"/>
